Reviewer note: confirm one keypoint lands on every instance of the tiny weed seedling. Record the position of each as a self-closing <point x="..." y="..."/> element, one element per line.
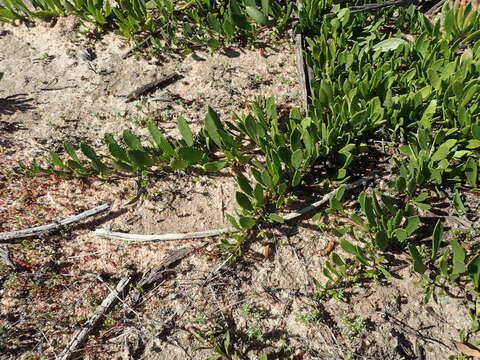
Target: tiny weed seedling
<point x="310" y="318"/>
<point x="221" y="346"/>
<point x="354" y="326"/>
<point x="253" y="331"/>
<point x="252" y="314"/>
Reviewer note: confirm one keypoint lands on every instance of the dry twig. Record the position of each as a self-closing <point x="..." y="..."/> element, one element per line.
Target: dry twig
<point x="152" y="85"/>
<point x="137" y="238"/>
<point x="108" y="303"/>
<point x="39" y="230"/>
<point x="325" y="199"/>
<point x="164" y="237"/>
<point x="156" y="273"/>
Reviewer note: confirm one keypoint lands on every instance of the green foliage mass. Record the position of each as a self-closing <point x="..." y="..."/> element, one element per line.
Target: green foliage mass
<point x="376" y="76"/>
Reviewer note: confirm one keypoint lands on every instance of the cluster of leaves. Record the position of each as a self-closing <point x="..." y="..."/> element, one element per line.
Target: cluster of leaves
<point x="167" y="23"/>
<point x="364" y="81"/>
<point x="423" y="91"/>
<point x="279" y="154"/>
<point x="130" y="156"/>
<point x="366" y="85"/>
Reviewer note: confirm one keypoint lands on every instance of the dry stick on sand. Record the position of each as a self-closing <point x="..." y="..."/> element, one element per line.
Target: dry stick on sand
<point x="152" y="85"/>
<point x="108" y="303"/>
<point x="39" y="230"/>
<point x="137" y="238"/>
<point x="164" y="237"/>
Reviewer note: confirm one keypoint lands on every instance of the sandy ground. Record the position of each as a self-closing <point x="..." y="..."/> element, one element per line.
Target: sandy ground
<point x="49" y="95"/>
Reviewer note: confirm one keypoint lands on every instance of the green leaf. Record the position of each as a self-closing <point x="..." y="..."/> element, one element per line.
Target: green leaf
<point x="327" y="273"/>
<point x="458" y="203"/>
<point x="476" y="131"/>
<point x="226" y="342"/>
<point x="232" y="221"/>
<point x="361" y="256"/>
<point x="458" y="252"/>
<point x="436" y="238"/>
<point x="389" y="44"/>
<point x="443" y="262"/>
<point x="214" y="23"/>
<point x="358" y="220"/>
<point x="401" y="235"/>
<point x="78" y="167"/>
<point x="389" y="203"/>
<point x="471" y="172"/>
<point x="384" y="272"/>
<point x="339" y="232"/>
<point x="297" y="178"/>
<point x="341" y="173"/>
<point x="422" y="206"/>
<point x="243" y="201"/>
<point x="428" y="115"/>
<point x="240" y="20"/>
<point x="99" y="166"/>
<point x="211" y="126"/>
<point x="257" y="15"/>
<point x="115" y="149"/>
<point x="132" y="141"/>
<point x="190" y="154"/>
<point x="69" y="150"/>
<point x="297" y="158"/>
<point x="257" y="175"/>
<point x="361" y="200"/>
<point x="434" y="79"/>
<point x="474" y="271"/>
<point x="178" y="163"/>
<point x="277" y="218"/>
<point x="381" y="239"/>
<point x="213" y="44"/>
<point x="140" y="159"/>
<point x="266" y="179"/>
<point x="413" y="223"/>
<point x="258" y="194"/>
<point x="449" y="22"/>
<point x="215" y="165"/>
<point x="348" y="247"/>
<point x="474" y="36"/>
<point x="121" y="166"/>
<point x="340" y="192"/>
<point x="368" y="210"/>
<point x="245" y="185"/>
<point x="160" y="140"/>
<point x="56" y="160"/>
<point x="88" y="151"/>
<point x="185" y="131"/>
<point x="336" y="204"/>
<point x="247" y="222"/>
<point x="228" y="141"/>
<point x="422" y="197"/>
<point x="337" y="260"/>
<point x="473" y="144"/>
<point x="418" y="264"/>
<point x="266" y="7"/>
<point x="254" y="129"/>
<point x="444" y="150"/>
<point x="347" y="149"/>
<point x="400" y="185"/>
